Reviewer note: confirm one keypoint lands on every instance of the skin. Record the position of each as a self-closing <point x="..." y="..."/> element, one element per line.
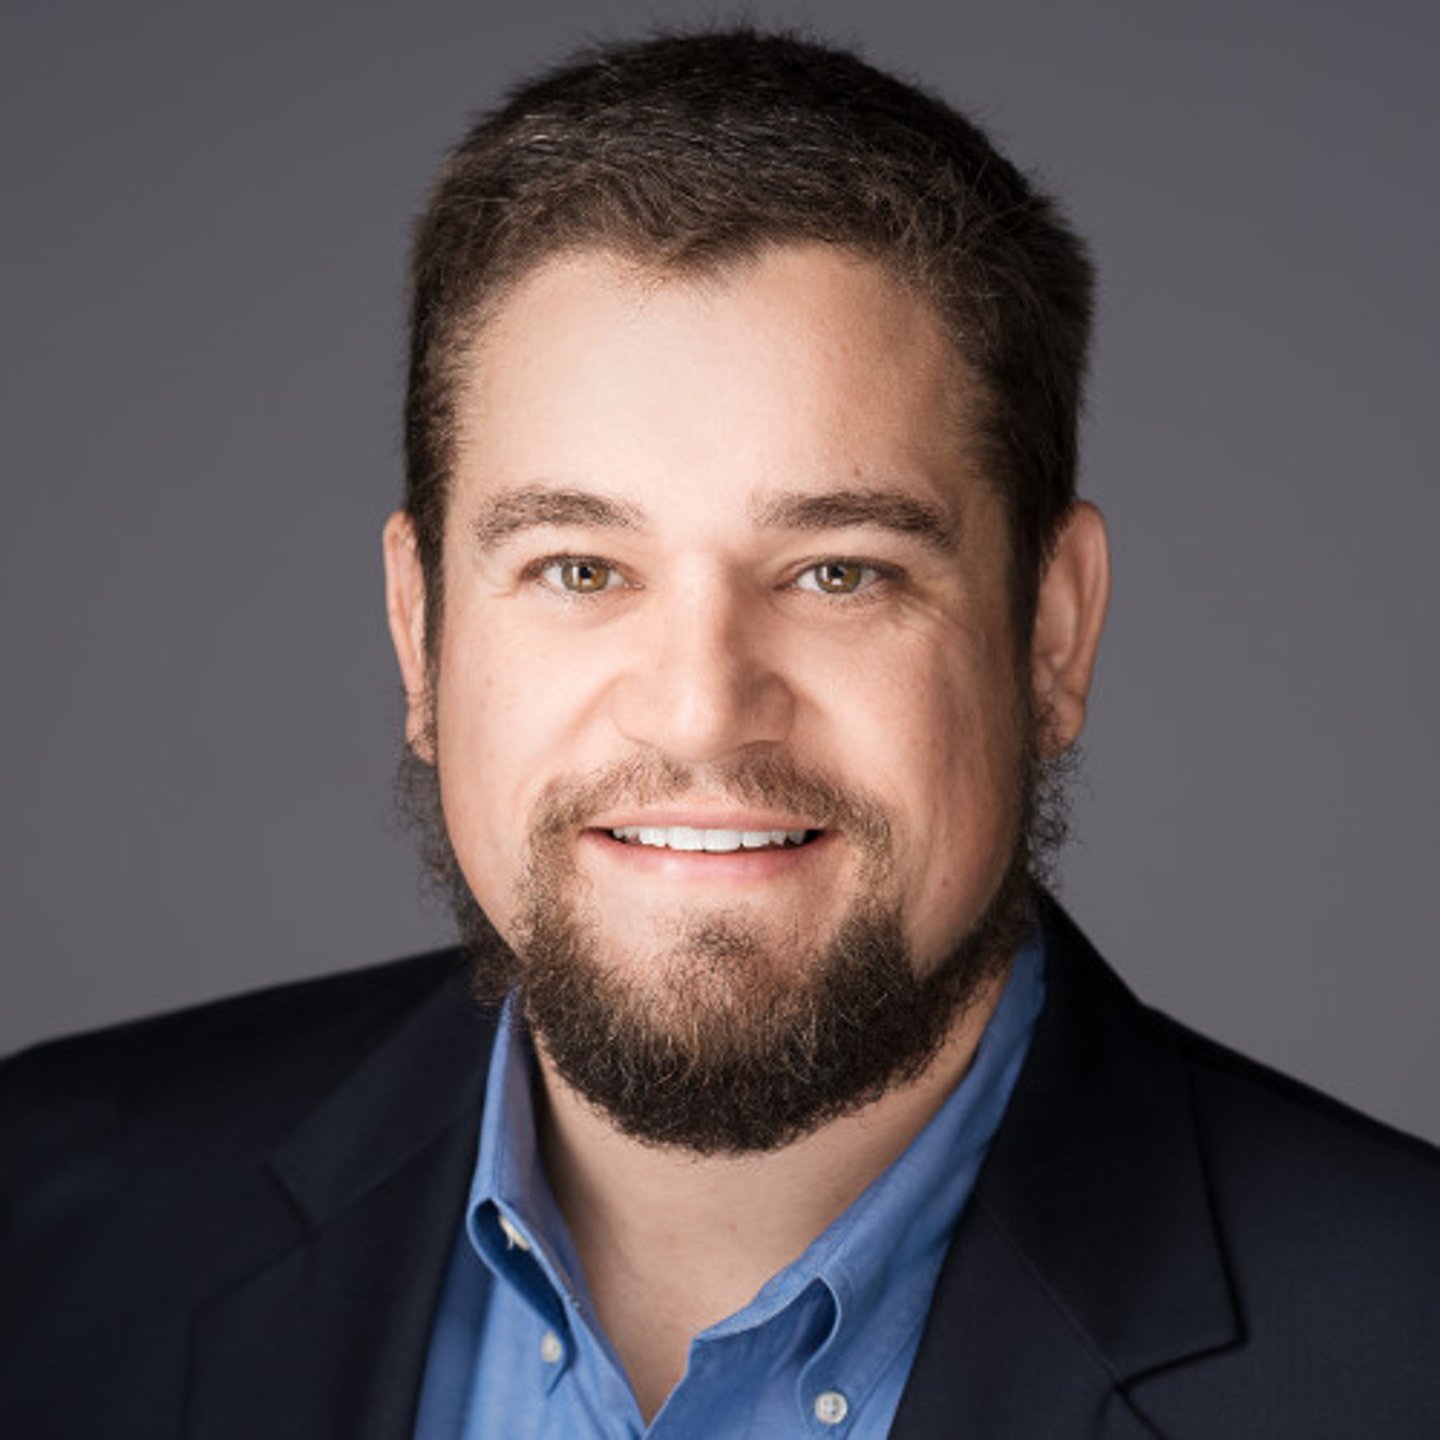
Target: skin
<point x="721" y="611"/>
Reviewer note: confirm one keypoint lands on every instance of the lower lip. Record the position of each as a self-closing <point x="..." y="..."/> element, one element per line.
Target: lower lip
<point x="742" y="867"/>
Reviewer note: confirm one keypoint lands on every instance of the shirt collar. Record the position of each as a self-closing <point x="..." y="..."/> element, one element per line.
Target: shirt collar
<point x="511" y="1217"/>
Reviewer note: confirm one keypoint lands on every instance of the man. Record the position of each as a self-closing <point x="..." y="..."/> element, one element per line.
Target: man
<point x="746" y="614"/>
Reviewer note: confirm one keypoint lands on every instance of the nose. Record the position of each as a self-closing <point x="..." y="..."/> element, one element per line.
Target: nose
<point x="704" y="682"/>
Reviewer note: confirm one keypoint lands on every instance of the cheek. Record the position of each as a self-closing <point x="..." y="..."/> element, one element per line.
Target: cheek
<point x="959" y="770"/>
<point x="511" y="715"/>
<point x="489" y="722"/>
<point x="946" y="752"/>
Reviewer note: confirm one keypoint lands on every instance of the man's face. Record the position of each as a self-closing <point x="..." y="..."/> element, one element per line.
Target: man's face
<point x="721" y="575"/>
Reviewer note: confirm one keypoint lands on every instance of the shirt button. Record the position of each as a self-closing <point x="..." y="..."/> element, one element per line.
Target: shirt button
<point x="512" y="1234"/>
<point x="551" y="1350"/>
<point x="831" y="1407"/>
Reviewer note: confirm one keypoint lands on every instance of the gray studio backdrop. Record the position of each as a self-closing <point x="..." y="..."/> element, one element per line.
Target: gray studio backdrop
<point x="205" y="213"/>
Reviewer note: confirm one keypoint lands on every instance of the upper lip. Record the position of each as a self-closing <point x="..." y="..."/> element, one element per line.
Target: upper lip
<point x="700" y="819"/>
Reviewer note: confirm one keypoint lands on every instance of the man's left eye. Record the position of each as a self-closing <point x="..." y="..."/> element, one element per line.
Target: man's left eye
<point x="836" y="577"/>
<point x="580" y="576"/>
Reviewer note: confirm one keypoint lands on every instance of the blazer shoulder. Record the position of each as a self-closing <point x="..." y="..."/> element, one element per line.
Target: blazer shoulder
<point x="1327" y="1227"/>
<point x="1236" y="1094"/>
<point x="150" y="1170"/>
<point x="252" y="1061"/>
<point x="1253" y="1257"/>
<point x="1322" y="1209"/>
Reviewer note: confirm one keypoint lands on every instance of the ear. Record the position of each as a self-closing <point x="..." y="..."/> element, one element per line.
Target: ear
<point x="405" y="610"/>
<point x="1074" y="594"/>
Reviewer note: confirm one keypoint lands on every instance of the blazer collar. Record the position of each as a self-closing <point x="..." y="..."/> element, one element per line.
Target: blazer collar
<point x="330" y="1336"/>
<point x="1088" y="1254"/>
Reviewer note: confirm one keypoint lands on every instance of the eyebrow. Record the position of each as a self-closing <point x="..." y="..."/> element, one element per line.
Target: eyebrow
<point x="511" y="511"/>
<point x="531" y="506"/>
<point x="847" y="509"/>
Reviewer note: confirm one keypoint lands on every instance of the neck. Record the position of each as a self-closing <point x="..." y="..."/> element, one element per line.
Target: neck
<point x="672" y="1242"/>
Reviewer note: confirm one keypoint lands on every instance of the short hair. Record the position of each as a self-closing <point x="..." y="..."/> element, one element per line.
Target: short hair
<point x="693" y="152"/>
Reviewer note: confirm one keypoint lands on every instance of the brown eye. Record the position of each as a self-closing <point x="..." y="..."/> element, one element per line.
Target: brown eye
<point x="584" y="577"/>
<point x="838" y="577"/>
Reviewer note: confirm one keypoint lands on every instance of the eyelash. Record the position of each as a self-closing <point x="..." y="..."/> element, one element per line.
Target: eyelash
<point x="875" y="576"/>
<point x="536" y="572"/>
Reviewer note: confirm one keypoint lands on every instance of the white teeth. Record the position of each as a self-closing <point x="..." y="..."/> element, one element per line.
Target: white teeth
<point x="687" y="837"/>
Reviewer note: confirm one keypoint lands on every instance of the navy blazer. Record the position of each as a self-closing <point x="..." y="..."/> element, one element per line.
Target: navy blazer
<point x="235" y="1222"/>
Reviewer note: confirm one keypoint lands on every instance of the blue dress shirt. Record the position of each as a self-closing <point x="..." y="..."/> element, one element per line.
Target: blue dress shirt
<point x="823" y="1349"/>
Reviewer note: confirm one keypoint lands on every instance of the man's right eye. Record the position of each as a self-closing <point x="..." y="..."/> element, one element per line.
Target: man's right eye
<point x="580" y="576"/>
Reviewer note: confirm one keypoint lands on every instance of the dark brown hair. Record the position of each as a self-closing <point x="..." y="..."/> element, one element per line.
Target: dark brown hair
<point x="690" y="152"/>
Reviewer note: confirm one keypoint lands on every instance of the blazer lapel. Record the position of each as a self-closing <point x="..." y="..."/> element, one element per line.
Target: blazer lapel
<point x="330" y="1336"/>
<point x="1001" y="1359"/>
<point x="1088" y="1254"/>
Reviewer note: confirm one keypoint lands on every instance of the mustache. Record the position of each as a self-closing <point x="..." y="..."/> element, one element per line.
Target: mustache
<point x="767" y="778"/>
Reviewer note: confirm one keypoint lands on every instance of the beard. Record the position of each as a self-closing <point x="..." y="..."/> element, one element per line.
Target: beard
<point x="721" y="1045"/>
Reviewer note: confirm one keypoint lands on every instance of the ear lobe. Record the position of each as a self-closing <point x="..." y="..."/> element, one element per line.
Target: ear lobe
<point x="1069" y="616"/>
<point x="405" y="611"/>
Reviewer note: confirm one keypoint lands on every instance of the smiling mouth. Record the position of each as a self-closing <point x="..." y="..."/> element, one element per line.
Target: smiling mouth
<point x="713" y="842"/>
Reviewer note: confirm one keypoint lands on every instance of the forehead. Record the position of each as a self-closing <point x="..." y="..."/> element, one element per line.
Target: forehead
<point x="806" y="366"/>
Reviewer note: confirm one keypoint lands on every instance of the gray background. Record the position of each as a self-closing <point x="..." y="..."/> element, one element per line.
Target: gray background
<point x="205" y="213"/>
